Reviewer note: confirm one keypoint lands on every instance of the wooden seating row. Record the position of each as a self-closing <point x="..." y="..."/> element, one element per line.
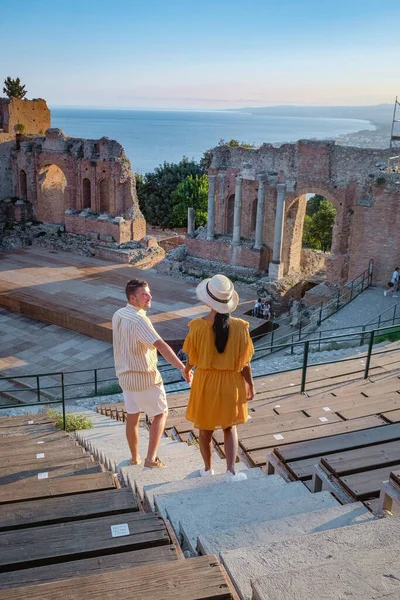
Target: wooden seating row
<point x="68" y="529"/>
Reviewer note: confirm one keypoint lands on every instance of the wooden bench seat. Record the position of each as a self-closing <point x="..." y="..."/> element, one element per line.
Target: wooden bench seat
<point x="36" y="513"/>
<point x="86" y="538"/>
<point x="362" y="459"/>
<point x="60" y="468"/>
<point x="90" y="566"/>
<point x="29" y="489"/>
<point x="199" y="578"/>
<point x="366" y="484"/>
<point x="52" y="452"/>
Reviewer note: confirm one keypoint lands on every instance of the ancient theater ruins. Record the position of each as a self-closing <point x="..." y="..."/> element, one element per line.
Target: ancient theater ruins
<point x="257" y="203"/>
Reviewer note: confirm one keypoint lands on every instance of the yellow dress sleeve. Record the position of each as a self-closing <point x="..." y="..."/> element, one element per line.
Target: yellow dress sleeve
<point x="246" y="348"/>
<point x="189" y="345"/>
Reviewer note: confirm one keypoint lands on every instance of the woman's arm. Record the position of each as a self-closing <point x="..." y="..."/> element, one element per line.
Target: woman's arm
<point x="248" y="377"/>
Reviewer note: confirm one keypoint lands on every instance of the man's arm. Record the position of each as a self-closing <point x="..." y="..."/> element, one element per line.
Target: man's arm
<point x="248" y="377"/>
<point x="171" y="357"/>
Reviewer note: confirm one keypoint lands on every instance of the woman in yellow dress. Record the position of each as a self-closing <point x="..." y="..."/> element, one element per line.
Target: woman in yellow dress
<point x="220" y="348"/>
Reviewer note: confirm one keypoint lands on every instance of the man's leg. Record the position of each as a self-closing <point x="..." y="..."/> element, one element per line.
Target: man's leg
<point x="205" y="443"/>
<point x="132" y="435"/>
<point x="156" y="431"/>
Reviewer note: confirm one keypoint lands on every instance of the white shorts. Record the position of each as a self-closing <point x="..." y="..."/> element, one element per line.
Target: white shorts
<point x="152" y="401"/>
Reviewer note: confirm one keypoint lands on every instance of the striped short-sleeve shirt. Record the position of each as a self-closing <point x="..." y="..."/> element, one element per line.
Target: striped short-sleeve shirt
<point x="135" y="356"/>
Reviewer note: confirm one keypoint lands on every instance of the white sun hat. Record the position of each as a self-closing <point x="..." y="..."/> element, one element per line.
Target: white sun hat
<point x="218" y="293"/>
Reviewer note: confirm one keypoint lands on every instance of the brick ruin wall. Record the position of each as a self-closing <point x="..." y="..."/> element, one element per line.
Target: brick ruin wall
<point x="85" y="185"/>
<point x="366" y="200"/>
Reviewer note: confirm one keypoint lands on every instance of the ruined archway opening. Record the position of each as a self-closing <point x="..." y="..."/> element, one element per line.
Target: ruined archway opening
<point x="104" y="196"/>
<point x="230" y="207"/>
<point x="318" y="225"/>
<point x="23" y="187"/>
<point x="86" y="193"/>
<point x="52" y="195"/>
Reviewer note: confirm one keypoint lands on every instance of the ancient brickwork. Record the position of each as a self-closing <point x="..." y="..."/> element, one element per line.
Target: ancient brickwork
<point x="34" y="115"/>
<point x="277" y="180"/>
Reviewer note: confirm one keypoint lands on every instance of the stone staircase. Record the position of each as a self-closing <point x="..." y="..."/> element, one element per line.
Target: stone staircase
<point x="277" y="540"/>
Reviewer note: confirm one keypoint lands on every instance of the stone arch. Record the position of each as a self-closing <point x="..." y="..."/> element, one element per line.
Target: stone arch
<point x="86" y="193"/>
<point x="23" y="187"/>
<point x="294" y="225"/>
<point x="230" y="208"/>
<point x="52" y="194"/>
<point x="104" y="201"/>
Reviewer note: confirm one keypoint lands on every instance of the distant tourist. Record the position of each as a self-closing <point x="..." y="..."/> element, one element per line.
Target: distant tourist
<point x="257" y="308"/>
<point x="135" y="343"/>
<point x="390" y="289"/>
<point x="266" y="310"/>
<point x="395" y="279"/>
<point x="220" y="348"/>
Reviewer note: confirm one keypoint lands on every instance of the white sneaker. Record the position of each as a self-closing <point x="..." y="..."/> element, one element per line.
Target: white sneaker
<point x="230" y="477"/>
<point x="204" y="473"/>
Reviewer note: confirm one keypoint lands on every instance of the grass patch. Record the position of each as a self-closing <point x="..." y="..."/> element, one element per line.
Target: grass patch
<point x="106" y="390"/>
<point x="391" y="335"/>
<point x="73" y="421"/>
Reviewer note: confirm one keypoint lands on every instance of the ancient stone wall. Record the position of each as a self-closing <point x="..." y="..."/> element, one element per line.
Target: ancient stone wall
<point x="349" y="177"/>
<point x="34" y="115"/>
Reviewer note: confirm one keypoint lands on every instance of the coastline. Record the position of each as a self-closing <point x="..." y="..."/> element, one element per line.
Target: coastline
<point x="367" y="138"/>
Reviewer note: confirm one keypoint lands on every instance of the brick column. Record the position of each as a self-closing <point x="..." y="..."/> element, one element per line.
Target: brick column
<point x="211" y="207"/>
<point x="237" y="214"/>
<point x="260" y="213"/>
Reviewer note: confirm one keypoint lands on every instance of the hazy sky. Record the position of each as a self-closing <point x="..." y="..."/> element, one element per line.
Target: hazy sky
<point x="204" y="53"/>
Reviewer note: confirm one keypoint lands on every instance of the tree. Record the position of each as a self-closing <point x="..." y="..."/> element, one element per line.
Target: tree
<point x="313" y="204"/>
<point x="317" y="231"/>
<point x="191" y="192"/>
<point x="155" y="190"/>
<point x="13" y="88"/>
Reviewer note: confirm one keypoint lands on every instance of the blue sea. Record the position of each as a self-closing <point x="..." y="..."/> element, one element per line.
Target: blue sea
<point x="151" y="137"/>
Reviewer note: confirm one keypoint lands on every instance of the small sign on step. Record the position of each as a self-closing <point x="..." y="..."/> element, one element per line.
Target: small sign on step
<point x="323" y="419"/>
<point x="120" y="530"/>
<point x="278" y="436"/>
<point x="326" y="409"/>
<point x="40" y="442"/>
<point x="40" y="455"/>
<point x="31" y="422"/>
<point x="44" y="475"/>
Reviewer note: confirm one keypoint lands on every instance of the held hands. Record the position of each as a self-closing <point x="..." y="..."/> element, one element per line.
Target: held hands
<point x="187" y="375"/>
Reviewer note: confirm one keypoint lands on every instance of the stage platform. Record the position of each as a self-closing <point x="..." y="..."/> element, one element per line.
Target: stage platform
<point x="81" y="293"/>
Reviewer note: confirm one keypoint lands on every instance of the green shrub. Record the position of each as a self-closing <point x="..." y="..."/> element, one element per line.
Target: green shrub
<point x="391" y="335"/>
<point x="73" y="421"/>
<point x="106" y="390"/>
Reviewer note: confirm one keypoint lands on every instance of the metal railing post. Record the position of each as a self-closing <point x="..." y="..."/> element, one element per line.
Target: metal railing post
<point x="38" y="388"/>
<point x="338" y="301"/>
<point x="300" y="328"/>
<point x="370" y="345"/>
<point x="272" y="336"/>
<point x="362" y="336"/>
<point x="291" y="347"/>
<point x="320" y="314"/>
<point x="95" y="382"/>
<point x="63" y="401"/>
<point x="304" y="368"/>
<point x="351" y="291"/>
<point x="319" y="342"/>
<point x="379" y="322"/>
<point x="394" y="314"/>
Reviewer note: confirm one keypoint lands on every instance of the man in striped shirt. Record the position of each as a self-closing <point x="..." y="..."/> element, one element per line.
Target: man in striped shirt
<point x="135" y="343"/>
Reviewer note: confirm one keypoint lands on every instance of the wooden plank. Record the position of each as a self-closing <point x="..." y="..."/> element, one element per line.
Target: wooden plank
<point x="90" y="566"/>
<point x="367" y="484"/>
<point x="11" y="442"/>
<point x="62" y="468"/>
<point x="378" y="406"/>
<point x="304" y="449"/>
<point x="48" y="511"/>
<point x="197" y="578"/>
<point x="25" y="548"/>
<point x="16" y="433"/>
<point x="363" y="459"/>
<point x="361" y="433"/>
<point x="392" y="416"/>
<point x="258" y="425"/>
<point x="10" y="422"/>
<point x="303" y="469"/>
<point x="53" y="453"/>
<point x="63" y="486"/>
<point x="356" y="402"/>
<point x="285" y="436"/>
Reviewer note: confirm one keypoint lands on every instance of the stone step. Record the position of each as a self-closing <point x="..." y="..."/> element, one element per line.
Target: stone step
<point x="371" y="575"/>
<point x="271" y="531"/>
<point x="296" y="553"/>
<point x="215" y="509"/>
<point x="166" y="491"/>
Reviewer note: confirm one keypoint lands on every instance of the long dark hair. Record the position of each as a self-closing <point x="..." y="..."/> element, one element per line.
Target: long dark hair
<point x="221" y="329"/>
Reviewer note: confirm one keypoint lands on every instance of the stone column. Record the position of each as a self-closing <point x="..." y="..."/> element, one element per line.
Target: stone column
<point x="237" y="214"/>
<point x="211" y="207"/>
<point x="190" y="227"/>
<point x="275" y="267"/>
<point x="260" y="213"/>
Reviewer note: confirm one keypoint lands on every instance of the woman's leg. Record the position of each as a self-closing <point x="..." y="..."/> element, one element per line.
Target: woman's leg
<point x="230" y="447"/>
<point x="205" y="442"/>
